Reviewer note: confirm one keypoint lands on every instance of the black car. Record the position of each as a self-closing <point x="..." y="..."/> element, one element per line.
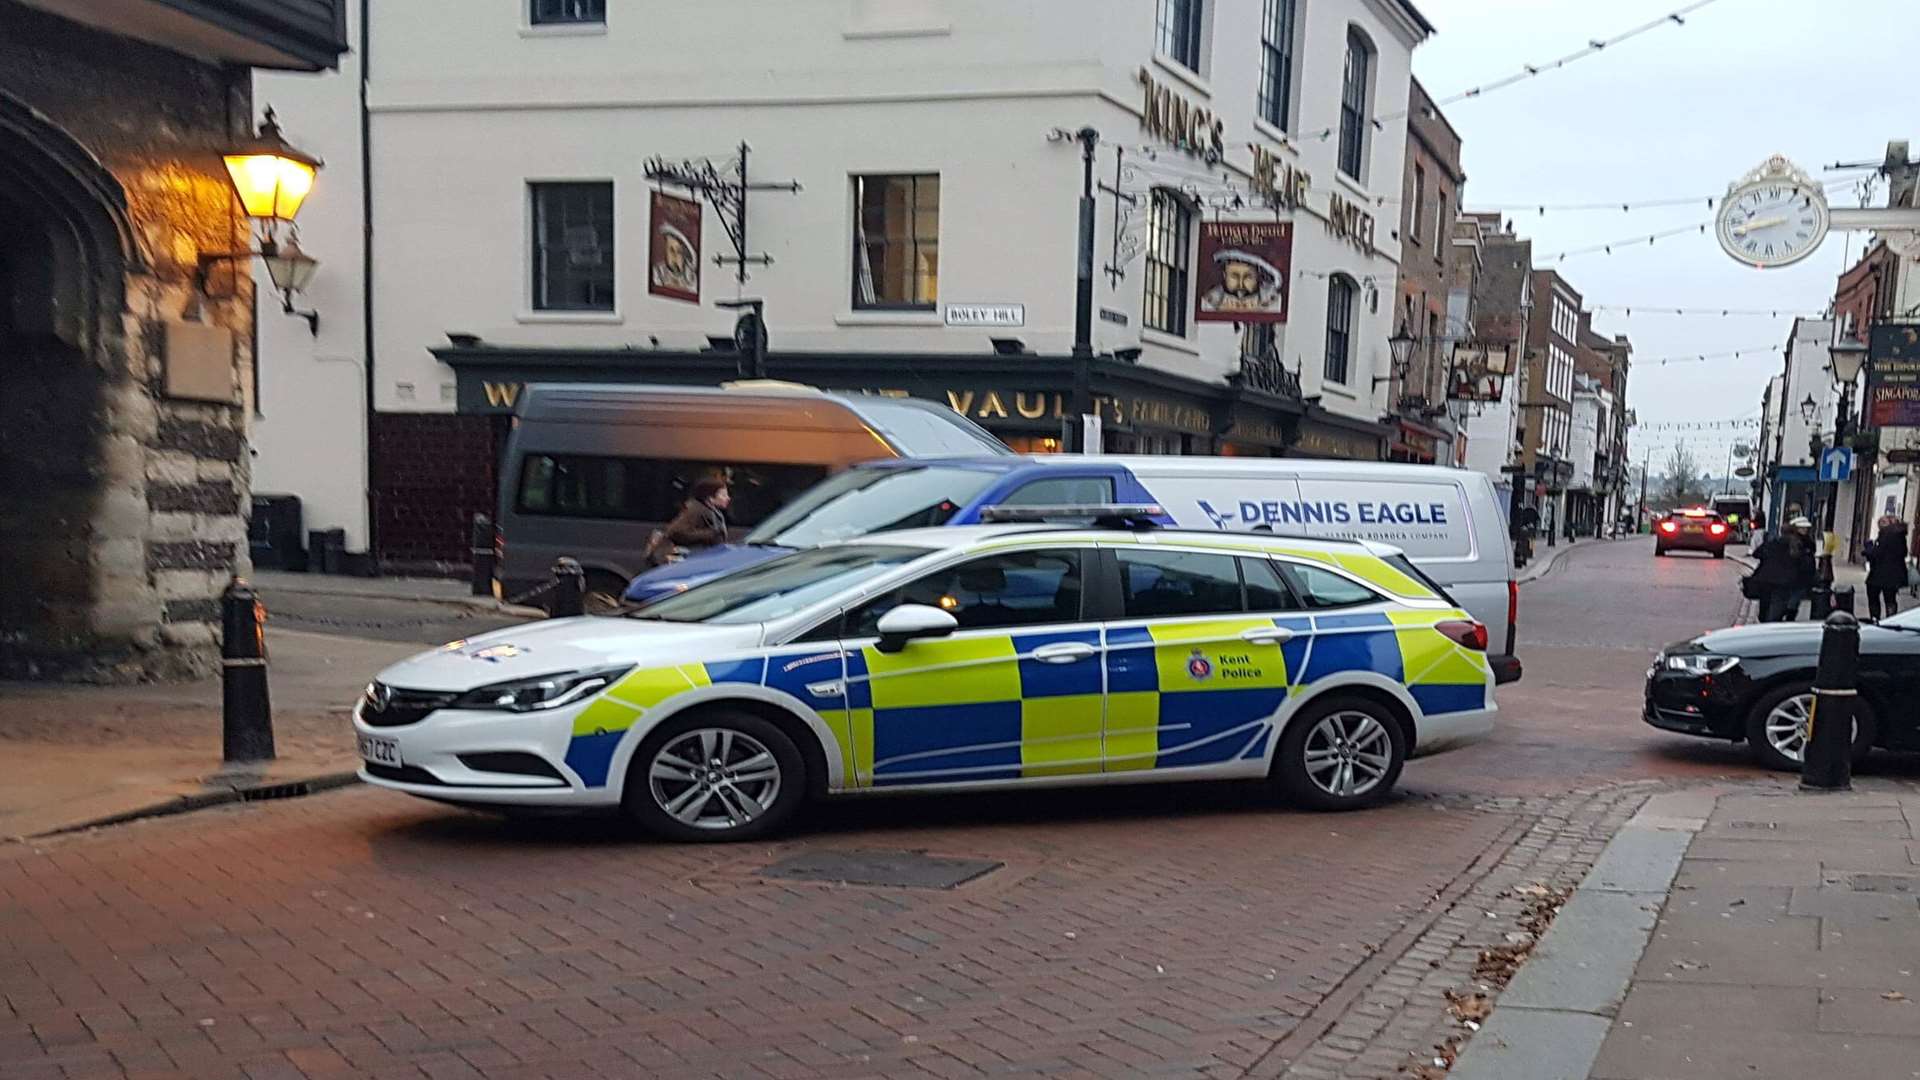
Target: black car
<point x="1756" y="683"/>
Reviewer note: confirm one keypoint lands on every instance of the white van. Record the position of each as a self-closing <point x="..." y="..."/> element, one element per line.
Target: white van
<point x="1448" y="521"/>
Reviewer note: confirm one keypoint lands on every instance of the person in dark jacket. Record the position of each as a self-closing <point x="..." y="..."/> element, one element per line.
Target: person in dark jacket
<point x="702" y="522"/>
<point x="1785" y="571"/>
<point x="1886" y="567"/>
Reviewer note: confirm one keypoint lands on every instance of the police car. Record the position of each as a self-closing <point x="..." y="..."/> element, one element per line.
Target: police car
<point x="1020" y="654"/>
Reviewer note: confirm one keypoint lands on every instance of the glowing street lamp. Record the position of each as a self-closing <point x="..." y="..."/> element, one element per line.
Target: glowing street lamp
<point x="271" y="177"/>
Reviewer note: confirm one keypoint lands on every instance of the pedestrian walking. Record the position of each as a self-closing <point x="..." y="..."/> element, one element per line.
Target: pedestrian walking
<point x="1886" y="567"/>
<point x="701" y="522"/>
<point x="1785" y="571"/>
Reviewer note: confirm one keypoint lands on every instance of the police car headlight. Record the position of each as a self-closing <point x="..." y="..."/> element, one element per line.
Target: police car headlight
<point x="1701" y="663"/>
<point x="544" y="692"/>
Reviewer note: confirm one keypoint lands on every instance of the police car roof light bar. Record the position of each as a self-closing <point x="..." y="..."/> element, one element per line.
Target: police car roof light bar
<point x="1104" y="515"/>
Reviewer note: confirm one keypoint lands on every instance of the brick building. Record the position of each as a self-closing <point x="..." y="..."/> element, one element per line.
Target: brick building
<point x="124" y="389"/>
<point x="1553" y="338"/>
<point x="1503" y="303"/>
<point x="1430" y="201"/>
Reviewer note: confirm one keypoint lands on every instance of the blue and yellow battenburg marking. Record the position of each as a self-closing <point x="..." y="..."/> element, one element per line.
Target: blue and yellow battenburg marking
<point x="1193" y="692"/>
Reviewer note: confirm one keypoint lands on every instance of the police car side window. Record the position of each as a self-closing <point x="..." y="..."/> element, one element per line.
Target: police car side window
<point x="1265" y="590"/>
<point x="1165" y="584"/>
<point x="1024" y="588"/>
<point x="1323" y="589"/>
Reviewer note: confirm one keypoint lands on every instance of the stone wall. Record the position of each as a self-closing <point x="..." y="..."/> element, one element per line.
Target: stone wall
<point x="140" y="524"/>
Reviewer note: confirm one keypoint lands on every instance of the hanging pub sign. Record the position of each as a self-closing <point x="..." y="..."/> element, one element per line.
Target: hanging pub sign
<point x="1242" y="276"/>
<point x="673" y="258"/>
<point x="1189" y="127"/>
<point x="1893" y="376"/>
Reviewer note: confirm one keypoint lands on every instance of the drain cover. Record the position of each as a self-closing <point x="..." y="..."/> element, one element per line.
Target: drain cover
<point x="900" y="869"/>
<point x="1884" y="883"/>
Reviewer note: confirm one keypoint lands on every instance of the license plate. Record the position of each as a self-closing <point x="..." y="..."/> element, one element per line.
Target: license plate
<point x="379" y="751"/>
<point x="1695" y="529"/>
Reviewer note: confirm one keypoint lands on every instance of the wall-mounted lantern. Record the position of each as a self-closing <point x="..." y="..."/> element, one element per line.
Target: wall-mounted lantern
<point x="272" y="178"/>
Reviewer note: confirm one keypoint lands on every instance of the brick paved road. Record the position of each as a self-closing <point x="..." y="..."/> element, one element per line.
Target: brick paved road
<point x="1163" y="931"/>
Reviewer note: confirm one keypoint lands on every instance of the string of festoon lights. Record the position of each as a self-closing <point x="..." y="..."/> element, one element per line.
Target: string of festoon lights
<point x="1593" y="47"/>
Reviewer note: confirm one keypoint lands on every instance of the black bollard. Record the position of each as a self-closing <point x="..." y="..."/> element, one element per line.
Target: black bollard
<point x="569" y="589"/>
<point x="483" y="555"/>
<point x="1826" y="763"/>
<point x="246" y="713"/>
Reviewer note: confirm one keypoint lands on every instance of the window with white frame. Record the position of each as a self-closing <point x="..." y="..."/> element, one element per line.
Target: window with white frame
<point x="572" y="245"/>
<point x="1180" y="29"/>
<point x="1342" y="293"/>
<point x="1275" y="103"/>
<point x="1442" y="228"/>
<point x="1355" y="88"/>
<point x="896" y="242"/>
<point x="567" y="12"/>
<point x="1169" y="251"/>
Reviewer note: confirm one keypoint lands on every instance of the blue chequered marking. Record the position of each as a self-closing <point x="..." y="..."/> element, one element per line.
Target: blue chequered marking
<point x="1189" y="724"/>
<point x="1257" y="749"/>
<point x="1039" y="679"/>
<point x="592" y="755"/>
<point x="1344" y="622"/>
<point x="1130" y="662"/>
<point x="1295" y="652"/>
<point x="941" y="738"/>
<point x="1435" y="699"/>
<point x="859" y="690"/>
<point x="747" y="671"/>
<point x="794" y="672"/>
<point x="1335" y="653"/>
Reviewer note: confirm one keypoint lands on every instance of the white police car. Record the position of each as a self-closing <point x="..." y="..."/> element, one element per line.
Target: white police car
<point x="993" y="656"/>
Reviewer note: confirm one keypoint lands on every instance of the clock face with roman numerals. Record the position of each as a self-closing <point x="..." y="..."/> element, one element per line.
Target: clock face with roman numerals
<point x="1772" y="222"/>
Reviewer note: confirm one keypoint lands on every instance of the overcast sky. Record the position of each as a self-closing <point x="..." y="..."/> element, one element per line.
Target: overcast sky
<point x="1679" y="111"/>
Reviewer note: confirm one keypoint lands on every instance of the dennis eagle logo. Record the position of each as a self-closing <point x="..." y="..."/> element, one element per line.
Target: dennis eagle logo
<point x="1198" y="666"/>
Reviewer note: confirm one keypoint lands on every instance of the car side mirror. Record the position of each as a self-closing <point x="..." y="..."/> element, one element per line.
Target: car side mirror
<point x="910" y="621"/>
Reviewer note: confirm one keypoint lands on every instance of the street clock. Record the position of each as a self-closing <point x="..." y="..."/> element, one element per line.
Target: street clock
<point x="1774" y="216"/>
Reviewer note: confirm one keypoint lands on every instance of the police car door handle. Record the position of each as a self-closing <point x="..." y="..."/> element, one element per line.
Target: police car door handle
<point x="1268" y="635"/>
<point x="1063" y="652"/>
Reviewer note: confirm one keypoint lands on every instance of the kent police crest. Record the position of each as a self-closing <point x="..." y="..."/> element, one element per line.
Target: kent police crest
<point x="1198" y="666"/>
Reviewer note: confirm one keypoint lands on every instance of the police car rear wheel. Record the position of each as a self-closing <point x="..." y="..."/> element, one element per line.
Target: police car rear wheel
<point x="714" y="777"/>
<point x="1341" y="753"/>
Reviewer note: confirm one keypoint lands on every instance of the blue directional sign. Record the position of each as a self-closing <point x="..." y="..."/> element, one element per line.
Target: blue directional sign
<point x="1836" y="464"/>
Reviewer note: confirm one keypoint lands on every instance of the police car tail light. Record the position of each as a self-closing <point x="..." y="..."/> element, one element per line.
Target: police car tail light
<point x="1466" y="633"/>
<point x="542" y="692"/>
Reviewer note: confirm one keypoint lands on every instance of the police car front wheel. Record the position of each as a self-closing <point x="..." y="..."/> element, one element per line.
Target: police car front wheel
<point x="715" y="776"/>
<point x="1340" y="753"/>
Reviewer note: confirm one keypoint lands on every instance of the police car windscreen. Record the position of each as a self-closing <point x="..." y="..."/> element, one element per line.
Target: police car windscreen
<point x="872" y="499"/>
<point x="778" y="588"/>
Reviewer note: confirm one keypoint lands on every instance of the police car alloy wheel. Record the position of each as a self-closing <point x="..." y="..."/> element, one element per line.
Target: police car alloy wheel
<point x="1776" y="728"/>
<point x="1341" y="753"/>
<point x="715" y="776"/>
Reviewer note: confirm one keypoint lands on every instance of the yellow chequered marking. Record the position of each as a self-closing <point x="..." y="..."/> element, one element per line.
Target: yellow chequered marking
<point x="1429" y="657"/>
<point x="966" y="672"/>
<point x="1233" y="663"/>
<point x="621" y="705"/>
<point x="857" y="754"/>
<point x="1060" y="736"/>
<point x="1133" y="730"/>
<point x="1379" y="573"/>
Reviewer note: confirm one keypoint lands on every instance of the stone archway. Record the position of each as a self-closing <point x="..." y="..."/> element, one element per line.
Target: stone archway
<point x="75" y="595"/>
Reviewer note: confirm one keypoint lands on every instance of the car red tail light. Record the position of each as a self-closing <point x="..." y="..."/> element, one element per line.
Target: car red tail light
<point x="1669" y="526"/>
<point x="1513" y="603"/>
<point x="1717" y="529"/>
<point x="1466" y="633"/>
